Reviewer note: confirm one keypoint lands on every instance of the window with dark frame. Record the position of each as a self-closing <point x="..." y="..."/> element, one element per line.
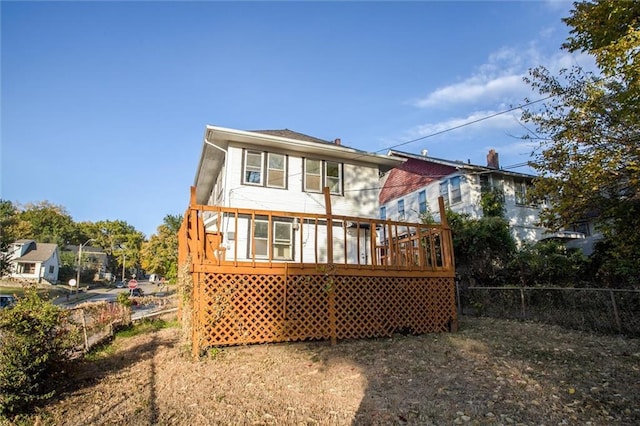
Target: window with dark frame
<point x="400" y="209"/>
<point x="383" y="213"/>
<point x="319" y="173"/>
<point x="456" y="192"/>
<point x="422" y="202"/>
<point x="276" y="170"/>
<point x="252" y="168"/>
<point x="282" y="247"/>
<point x="444" y="191"/>
<point x="520" y="191"/>
<point x="265" y="169"/>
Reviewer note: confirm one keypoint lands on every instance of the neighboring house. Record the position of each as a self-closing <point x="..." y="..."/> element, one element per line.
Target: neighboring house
<point x="282" y="170"/>
<point x="34" y="261"/>
<point x="412" y="189"/>
<point x="93" y="258"/>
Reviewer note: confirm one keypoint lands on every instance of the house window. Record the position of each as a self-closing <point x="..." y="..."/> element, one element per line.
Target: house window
<point x="422" y="202"/>
<point x="383" y="213"/>
<point x="312" y="175"/>
<point x="333" y="177"/>
<point x="444" y="191"/>
<point x="255" y="169"/>
<point x="582" y="227"/>
<point x="400" y="209"/>
<point x="276" y="170"/>
<point x="282" y="237"/>
<point x="520" y="191"/>
<point x="51" y="269"/>
<point x="485" y="183"/>
<point x="318" y="174"/>
<point x="456" y="193"/>
<point x="282" y="240"/>
<point x="28" y="268"/>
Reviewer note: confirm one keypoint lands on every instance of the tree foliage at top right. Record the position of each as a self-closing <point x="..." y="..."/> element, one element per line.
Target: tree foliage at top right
<point x="588" y="158"/>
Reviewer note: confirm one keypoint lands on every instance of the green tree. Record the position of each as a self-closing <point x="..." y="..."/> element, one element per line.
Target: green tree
<point x="35" y="345"/>
<point x="588" y="157"/>
<point x="120" y="240"/>
<point x="46" y="223"/>
<point x="159" y="255"/>
<point x="482" y="247"/>
<point x="8" y="213"/>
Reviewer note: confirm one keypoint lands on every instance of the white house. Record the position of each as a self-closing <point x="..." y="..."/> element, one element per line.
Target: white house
<point x="286" y="171"/>
<point x="34" y="261"/>
<point x="413" y="188"/>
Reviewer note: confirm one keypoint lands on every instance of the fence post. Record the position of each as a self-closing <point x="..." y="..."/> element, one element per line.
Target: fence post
<point x="84" y="330"/>
<point x="332" y="296"/>
<point x="524" y="313"/>
<point x="615" y="312"/>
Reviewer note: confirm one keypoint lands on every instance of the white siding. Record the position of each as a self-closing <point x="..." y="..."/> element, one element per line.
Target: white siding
<point x="360" y="196"/>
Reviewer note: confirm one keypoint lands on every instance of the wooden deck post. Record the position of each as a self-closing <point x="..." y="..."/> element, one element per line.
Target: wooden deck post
<point x="331" y="290"/>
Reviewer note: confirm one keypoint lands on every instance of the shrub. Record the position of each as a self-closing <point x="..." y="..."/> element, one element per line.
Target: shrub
<point x="36" y="342"/>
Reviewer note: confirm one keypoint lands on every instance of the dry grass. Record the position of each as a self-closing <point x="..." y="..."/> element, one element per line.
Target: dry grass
<point x="490" y="372"/>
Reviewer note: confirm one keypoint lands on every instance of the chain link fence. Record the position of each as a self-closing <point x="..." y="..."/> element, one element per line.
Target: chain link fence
<point x="607" y="311"/>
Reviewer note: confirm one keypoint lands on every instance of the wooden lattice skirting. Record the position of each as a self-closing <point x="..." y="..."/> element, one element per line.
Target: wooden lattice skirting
<point x="242" y="308"/>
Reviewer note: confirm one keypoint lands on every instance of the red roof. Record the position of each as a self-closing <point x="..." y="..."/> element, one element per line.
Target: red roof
<point x="411" y="176"/>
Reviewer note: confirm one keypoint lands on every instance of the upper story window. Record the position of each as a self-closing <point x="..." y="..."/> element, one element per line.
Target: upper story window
<point x="400" y="209"/>
<point x="450" y="190"/>
<point x="258" y="164"/>
<point x="253" y="168"/>
<point x="276" y="170"/>
<point x="520" y="191"/>
<point x="422" y="202"/>
<point x="383" y="213"/>
<point x="319" y="173"/>
<point x="485" y="183"/>
<point x="456" y="192"/>
<point x="582" y="227"/>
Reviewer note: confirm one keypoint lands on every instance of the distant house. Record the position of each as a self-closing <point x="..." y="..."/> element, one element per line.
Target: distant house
<point x="92" y="258"/>
<point x="412" y="189"/>
<point x="34" y="261"/>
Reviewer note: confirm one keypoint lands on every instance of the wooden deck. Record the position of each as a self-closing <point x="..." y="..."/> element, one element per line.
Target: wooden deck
<point x="271" y="276"/>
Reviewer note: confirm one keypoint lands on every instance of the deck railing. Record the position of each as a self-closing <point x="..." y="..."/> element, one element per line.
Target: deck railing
<point x="224" y="236"/>
<point x="266" y="276"/>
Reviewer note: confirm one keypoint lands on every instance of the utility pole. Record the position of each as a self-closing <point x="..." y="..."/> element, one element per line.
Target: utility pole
<point x="80" y="262"/>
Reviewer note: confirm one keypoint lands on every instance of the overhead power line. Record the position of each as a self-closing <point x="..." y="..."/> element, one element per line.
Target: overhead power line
<point x="478" y="120"/>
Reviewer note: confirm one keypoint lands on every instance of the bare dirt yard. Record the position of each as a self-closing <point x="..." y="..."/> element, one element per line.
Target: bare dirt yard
<point x="491" y="372"/>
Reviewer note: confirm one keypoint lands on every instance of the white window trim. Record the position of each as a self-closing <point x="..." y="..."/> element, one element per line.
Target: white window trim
<point x="270" y="246"/>
<point x="284" y="170"/>
<point x="246" y="168"/>
<point x="323" y="177"/>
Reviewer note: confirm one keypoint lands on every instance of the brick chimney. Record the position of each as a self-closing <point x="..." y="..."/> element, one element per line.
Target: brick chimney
<point x="337" y="141"/>
<point x="492" y="159"/>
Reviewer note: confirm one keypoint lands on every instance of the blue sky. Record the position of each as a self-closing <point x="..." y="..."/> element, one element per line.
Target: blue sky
<point x="104" y="104"/>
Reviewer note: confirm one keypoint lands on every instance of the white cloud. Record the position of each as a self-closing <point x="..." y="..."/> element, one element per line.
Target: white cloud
<point x="472" y="90"/>
<point x="500" y="78"/>
<point x="479" y="119"/>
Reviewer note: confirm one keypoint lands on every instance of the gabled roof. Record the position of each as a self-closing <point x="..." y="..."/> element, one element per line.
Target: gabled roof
<point x="217" y="140"/>
<point x="419" y="170"/>
<point x="459" y="165"/>
<point x="290" y="134"/>
<point x="41" y="253"/>
<point x="411" y="176"/>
